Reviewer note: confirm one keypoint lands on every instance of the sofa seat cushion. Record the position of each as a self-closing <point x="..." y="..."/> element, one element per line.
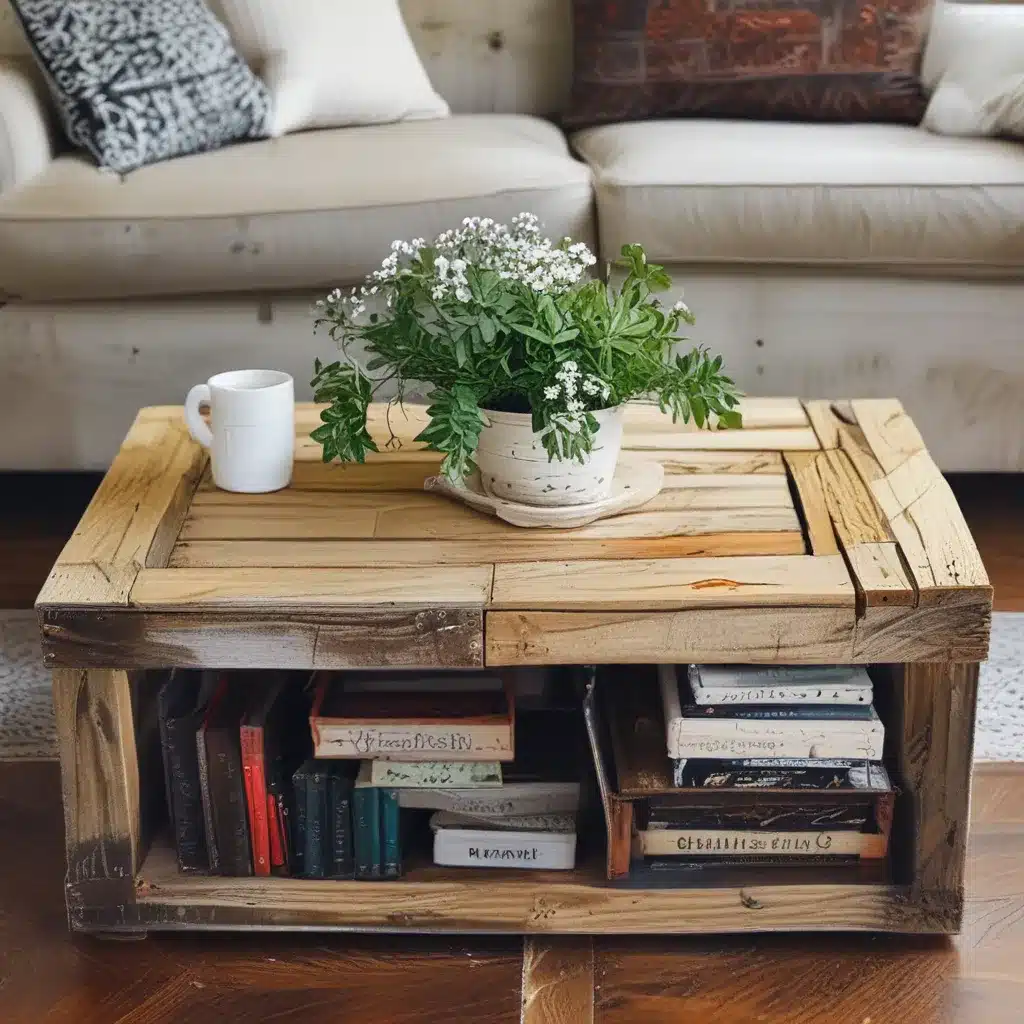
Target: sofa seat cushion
<point x="311" y="210"/>
<point x="707" y="191"/>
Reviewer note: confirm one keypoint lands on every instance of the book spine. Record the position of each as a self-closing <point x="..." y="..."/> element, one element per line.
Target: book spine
<point x="414" y="742"/>
<point x="783" y="712"/>
<point x="277" y="857"/>
<point x="227" y="792"/>
<point x="300" y="783"/>
<point x="202" y="765"/>
<point x="704" y="775"/>
<point x="453" y="848"/>
<point x="186" y="806"/>
<point x="717" y="842"/>
<point x="733" y="695"/>
<point x="342" y="857"/>
<point x="739" y="739"/>
<point x="556" y="798"/>
<point x="251" y="741"/>
<point x="848" y="816"/>
<point x="391" y="854"/>
<point x="316" y="825"/>
<point x="436" y="775"/>
<point x="366" y="808"/>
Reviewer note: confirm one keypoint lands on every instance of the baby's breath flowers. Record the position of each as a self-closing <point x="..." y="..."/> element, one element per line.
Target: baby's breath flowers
<point x="498" y="317"/>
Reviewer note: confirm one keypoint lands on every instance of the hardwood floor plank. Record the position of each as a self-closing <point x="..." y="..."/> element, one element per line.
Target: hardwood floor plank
<point x="558" y="980"/>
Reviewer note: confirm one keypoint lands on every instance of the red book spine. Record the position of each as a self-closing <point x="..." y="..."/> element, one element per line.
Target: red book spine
<point x="256" y="796"/>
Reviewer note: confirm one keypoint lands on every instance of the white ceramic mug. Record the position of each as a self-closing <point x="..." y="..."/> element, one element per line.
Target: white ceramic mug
<point x="252" y="440"/>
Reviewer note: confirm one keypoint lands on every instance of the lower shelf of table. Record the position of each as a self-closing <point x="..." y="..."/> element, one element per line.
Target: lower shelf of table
<point x="464" y="900"/>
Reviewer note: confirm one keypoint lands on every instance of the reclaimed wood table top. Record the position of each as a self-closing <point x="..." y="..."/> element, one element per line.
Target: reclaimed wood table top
<point x="820" y="532"/>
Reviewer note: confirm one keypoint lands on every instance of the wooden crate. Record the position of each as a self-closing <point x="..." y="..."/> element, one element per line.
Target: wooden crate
<point x="820" y="533"/>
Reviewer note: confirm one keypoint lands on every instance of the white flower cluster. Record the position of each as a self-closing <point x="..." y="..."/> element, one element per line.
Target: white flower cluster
<point x="573" y="387"/>
<point x="515" y="252"/>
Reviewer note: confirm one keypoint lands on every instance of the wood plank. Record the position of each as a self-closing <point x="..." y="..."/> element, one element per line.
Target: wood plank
<point x="558" y="980"/>
<point x="696" y="463"/>
<point x="803" y="469"/>
<point x="758" y="413"/>
<point x="956" y="629"/>
<point x="268" y="636"/>
<point x="936" y="754"/>
<point x="459" y="522"/>
<point x="99" y="780"/>
<point x="706" y="498"/>
<point x="522" y="547"/>
<point x="395" y="472"/>
<point x="571" y="903"/>
<point x="855" y="515"/>
<point x="889" y="431"/>
<point x="398" y="515"/>
<point x="769" y="438"/>
<point x="714" y="635"/>
<point x="917" y="501"/>
<point x="670" y="584"/>
<point x="133" y="519"/>
<point x="398" y="587"/>
<point x="825" y="423"/>
<point x="880" y="576"/>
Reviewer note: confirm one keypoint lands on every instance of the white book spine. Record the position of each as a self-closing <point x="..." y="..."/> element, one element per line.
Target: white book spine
<point x="436" y="775"/>
<point x="720" y="684"/>
<point x="748" y="737"/>
<point x="723" y="842"/>
<point x="512" y="798"/>
<point x="458" y="847"/>
<point x="415" y="742"/>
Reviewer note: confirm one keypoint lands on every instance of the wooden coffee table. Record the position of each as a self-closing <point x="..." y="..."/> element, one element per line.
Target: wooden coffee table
<point x="820" y="533"/>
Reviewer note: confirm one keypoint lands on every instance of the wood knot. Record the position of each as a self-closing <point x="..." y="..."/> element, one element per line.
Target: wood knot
<point x="749" y="902"/>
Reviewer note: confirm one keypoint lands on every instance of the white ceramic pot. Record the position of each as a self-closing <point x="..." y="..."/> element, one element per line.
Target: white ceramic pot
<point x="514" y="465"/>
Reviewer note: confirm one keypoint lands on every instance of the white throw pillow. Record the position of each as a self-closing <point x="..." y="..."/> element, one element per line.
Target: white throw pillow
<point x="975" y="63"/>
<point x="331" y="63"/>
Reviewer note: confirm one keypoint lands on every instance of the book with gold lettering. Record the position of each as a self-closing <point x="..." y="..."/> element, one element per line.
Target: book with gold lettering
<point x="406" y="723"/>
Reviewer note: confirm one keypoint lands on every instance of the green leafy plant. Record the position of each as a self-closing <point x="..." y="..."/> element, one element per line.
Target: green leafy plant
<point x="499" y="318"/>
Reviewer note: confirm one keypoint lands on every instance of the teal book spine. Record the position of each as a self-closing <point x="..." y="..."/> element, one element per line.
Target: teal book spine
<point x="391" y="833"/>
<point x="366" y="807"/>
<point x="316" y="824"/>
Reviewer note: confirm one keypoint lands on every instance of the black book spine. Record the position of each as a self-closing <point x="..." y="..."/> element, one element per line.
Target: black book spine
<point x="342" y="856"/>
<point x="316" y="825"/>
<point x="182" y="766"/>
<point x="227" y="794"/>
<point x="781" y="712"/>
<point x="699" y="775"/>
<point x="300" y="782"/>
<point x="848" y="817"/>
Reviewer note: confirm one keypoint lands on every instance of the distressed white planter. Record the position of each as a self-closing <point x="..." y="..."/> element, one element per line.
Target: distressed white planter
<point x="514" y="466"/>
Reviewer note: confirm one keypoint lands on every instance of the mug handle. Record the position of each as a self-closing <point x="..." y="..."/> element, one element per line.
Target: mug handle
<point x="197" y="426"/>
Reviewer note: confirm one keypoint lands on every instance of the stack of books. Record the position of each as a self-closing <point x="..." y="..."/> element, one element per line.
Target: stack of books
<point x="451" y="745"/>
<point x="799" y="751"/>
<point x="712" y="767"/>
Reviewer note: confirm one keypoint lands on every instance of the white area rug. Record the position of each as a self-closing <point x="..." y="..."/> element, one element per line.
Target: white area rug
<point x="26" y="714"/>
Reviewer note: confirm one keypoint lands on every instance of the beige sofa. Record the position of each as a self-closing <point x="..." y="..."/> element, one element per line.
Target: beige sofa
<point x="823" y="260"/>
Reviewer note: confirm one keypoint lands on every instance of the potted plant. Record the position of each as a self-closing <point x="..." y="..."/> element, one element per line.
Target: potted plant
<point x="530" y="361"/>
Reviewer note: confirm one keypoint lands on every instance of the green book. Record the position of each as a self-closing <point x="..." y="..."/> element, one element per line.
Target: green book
<point x="391" y="833"/>
<point x="367" y="821"/>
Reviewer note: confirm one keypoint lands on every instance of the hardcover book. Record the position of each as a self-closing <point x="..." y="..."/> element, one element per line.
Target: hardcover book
<point x="730" y="842"/>
<point x="437" y="774"/>
<point x="780" y="684"/>
<point x="366" y="824"/>
<point x="782" y="773"/>
<point x="339" y="783"/>
<point x="493" y="848"/>
<point x="225" y="778"/>
<point x="181" y="706"/>
<point x="511" y="798"/>
<point x="459" y="724"/>
<point x="316" y="852"/>
<point x="692" y="735"/>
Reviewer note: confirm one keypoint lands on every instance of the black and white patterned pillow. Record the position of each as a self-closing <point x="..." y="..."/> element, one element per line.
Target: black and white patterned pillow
<point x="139" y="81"/>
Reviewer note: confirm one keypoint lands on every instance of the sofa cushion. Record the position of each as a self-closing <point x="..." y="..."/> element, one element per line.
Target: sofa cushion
<point x="749" y="192"/>
<point x="304" y="211"/>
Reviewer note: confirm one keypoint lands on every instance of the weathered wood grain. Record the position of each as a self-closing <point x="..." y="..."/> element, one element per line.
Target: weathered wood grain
<point x="855" y="515"/>
<point x="880" y="576"/>
<point x="670" y="584"/>
<point x="803" y="468"/>
<point x="889" y="431"/>
<point x="697" y="463"/>
<point x="757" y="413"/>
<point x="439" y="900"/>
<point x="100" y="781"/>
<point x="936" y="747"/>
<point x="951" y="631"/>
<point x="257" y="588"/>
<point x="518" y="547"/>
<point x="824" y="422"/>
<point x="779" y="439"/>
<point x="268" y="637"/>
<point x="714" y="635"/>
<point x="134" y="516"/>
<point x="558" y="980"/>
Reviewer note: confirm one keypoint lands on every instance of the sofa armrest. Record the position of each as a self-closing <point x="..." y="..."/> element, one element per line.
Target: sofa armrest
<point x="26" y="140"/>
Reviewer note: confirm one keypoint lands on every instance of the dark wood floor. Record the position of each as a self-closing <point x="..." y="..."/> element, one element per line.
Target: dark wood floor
<point x="47" y="975"/>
